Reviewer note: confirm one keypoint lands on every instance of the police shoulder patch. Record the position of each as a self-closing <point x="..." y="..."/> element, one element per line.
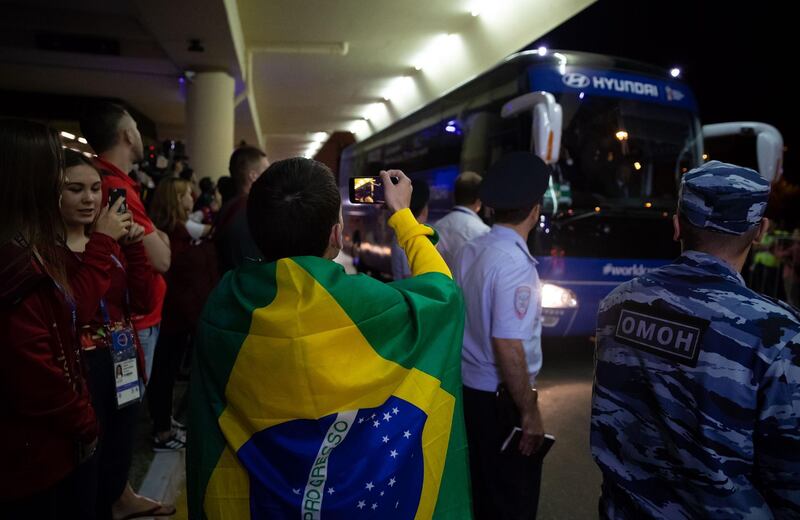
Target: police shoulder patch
<point x="661" y="332"/>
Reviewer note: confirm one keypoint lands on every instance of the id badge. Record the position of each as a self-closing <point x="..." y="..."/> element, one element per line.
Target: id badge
<point x="126" y="373"/>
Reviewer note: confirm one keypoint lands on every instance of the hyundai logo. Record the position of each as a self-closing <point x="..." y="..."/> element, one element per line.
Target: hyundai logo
<point x="576" y="80"/>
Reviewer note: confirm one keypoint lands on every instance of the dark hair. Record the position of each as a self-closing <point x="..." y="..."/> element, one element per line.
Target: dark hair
<point x="207" y="185"/>
<point x="512" y="216"/>
<point x="292" y="208"/>
<point x="709" y="241"/>
<point x="226" y="188"/>
<point x="242" y="160"/>
<point x="73" y="158"/>
<point x="186" y="174"/>
<point x="466" y="188"/>
<point x="419" y="196"/>
<point x="100" y="125"/>
<point x="31" y="177"/>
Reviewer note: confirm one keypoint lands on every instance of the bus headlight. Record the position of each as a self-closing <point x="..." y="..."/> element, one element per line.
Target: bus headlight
<point x="555" y="297"/>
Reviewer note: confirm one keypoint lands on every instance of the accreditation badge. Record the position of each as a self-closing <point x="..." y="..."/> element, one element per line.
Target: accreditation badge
<point x="126" y="372"/>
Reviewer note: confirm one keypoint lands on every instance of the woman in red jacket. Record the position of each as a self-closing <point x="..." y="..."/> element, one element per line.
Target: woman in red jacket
<point x="191" y="277"/>
<point x="48" y="430"/>
<point x="111" y="278"/>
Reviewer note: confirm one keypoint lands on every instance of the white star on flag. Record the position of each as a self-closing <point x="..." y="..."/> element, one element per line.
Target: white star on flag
<point x="407" y="434"/>
<point x="361" y="420"/>
<point x="381" y="493"/>
<point x="396" y="504"/>
<point x="376" y="424"/>
<point x="374" y="506"/>
<point x="361" y="504"/>
<point x="331" y="491"/>
<point x="369" y="486"/>
<point x="296" y="491"/>
<point x="372" y="416"/>
<point x="393" y="454"/>
<point x="385" y="439"/>
<point x="387" y="417"/>
<point x="395" y="410"/>
<point x="392" y="481"/>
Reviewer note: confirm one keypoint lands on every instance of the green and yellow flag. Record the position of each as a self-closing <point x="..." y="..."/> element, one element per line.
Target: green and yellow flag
<point x="316" y="394"/>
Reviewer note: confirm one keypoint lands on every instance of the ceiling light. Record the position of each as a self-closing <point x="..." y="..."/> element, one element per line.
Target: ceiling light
<point x="675" y="72"/>
<point x="67" y="135"/>
<point x="83" y="140"/>
<point x="441" y="46"/>
<point x="622" y="135"/>
<point x="542" y="50"/>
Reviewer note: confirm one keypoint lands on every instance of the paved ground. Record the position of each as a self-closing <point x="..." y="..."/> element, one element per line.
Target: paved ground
<point x="570" y="479"/>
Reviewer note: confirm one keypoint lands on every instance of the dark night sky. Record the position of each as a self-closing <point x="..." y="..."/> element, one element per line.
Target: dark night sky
<point x="736" y="56"/>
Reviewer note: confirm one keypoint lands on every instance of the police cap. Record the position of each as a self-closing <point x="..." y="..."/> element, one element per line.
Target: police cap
<point x="515" y="181"/>
<point x="723" y="197"/>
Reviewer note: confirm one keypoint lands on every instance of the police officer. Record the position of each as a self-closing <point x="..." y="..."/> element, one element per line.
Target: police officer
<point x="502" y="342"/>
<point x="696" y="402"/>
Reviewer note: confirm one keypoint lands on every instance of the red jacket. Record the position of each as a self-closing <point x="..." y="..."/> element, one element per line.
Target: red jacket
<point x="192" y="276"/>
<point x="47" y="410"/>
<point x="94" y="274"/>
<point x="107" y="271"/>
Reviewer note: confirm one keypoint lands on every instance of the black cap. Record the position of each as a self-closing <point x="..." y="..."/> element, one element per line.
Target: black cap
<point x="515" y="181"/>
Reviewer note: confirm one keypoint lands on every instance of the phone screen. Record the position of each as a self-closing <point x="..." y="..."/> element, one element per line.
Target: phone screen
<point x="366" y="190"/>
<point x="114" y="194"/>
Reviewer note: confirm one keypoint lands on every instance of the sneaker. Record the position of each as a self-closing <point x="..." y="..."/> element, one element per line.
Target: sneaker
<point x="178" y="425"/>
<point x="173" y="443"/>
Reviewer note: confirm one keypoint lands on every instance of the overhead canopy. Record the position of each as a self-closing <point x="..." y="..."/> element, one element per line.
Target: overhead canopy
<point x="303" y="69"/>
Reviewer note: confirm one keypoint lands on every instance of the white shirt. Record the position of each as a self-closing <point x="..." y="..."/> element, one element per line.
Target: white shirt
<point x="455" y="229"/>
<point x="502" y="294"/>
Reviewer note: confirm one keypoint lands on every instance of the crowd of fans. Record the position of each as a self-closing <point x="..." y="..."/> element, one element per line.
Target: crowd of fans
<point x="101" y="291"/>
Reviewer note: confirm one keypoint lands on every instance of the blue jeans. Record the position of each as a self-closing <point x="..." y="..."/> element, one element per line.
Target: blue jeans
<point x="148" y="338"/>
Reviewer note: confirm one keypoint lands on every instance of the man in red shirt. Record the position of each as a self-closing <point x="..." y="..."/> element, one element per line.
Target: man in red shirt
<point x="114" y="136"/>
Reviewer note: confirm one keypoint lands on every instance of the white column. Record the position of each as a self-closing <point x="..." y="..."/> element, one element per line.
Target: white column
<point x="209" y="123"/>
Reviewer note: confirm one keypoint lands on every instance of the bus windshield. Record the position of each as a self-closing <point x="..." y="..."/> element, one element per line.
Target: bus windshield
<point x="622" y="152"/>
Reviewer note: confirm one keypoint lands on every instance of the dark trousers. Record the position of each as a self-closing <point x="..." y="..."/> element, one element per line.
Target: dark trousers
<point x="117" y="431"/>
<point x="73" y="498"/>
<point x="167" y="361"/>
<point x="505" y="485"/>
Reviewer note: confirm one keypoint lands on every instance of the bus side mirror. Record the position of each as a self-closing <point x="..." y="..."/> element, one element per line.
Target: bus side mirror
<point x="547" y="119"/>
<point x="769" y="144"/>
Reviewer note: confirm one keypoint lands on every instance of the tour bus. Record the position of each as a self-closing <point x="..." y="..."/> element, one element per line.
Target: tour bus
<point x="618" y="135"/>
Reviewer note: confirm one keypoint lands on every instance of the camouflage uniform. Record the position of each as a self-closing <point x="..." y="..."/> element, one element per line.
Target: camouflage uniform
<point x="696" y="401"/>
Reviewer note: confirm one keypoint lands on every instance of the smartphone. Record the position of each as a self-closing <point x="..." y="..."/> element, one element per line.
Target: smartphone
<point x="366" y="190"/>
<point x="114" y="194"/>
<point x="512" y="442"/>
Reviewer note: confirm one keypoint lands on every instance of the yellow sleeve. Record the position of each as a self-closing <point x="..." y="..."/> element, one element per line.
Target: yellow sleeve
<point x="413" y="238"/>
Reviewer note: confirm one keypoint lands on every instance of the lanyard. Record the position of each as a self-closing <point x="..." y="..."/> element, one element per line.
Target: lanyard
<point x="103" y="308"/>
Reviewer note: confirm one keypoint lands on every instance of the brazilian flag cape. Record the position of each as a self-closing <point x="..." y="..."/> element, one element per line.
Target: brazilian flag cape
<point x="316" y="394"/>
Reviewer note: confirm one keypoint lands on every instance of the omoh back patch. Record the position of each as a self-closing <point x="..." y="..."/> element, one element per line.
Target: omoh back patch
<point x="666" y="334"/>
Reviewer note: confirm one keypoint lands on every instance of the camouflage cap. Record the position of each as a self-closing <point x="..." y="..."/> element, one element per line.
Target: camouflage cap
<point x="723" y="197"/>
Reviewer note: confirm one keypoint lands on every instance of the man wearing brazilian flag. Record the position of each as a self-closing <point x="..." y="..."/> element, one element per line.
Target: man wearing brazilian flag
<point x="316" y="394"/>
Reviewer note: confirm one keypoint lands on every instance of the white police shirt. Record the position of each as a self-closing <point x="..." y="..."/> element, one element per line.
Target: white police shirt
<point x="503" y="299"/>
<point x="456" y="229"/>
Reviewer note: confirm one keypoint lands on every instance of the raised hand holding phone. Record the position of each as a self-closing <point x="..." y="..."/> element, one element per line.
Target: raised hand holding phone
<point x="397" y="194"/>
<point x="112" y="223"/>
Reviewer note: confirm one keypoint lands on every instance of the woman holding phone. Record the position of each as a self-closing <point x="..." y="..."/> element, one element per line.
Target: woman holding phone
<point x="111" y="278"/>
<point x="49" y="429"/>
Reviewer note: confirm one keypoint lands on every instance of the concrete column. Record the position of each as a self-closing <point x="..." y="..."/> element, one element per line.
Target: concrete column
<point x="209" y="123"/>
